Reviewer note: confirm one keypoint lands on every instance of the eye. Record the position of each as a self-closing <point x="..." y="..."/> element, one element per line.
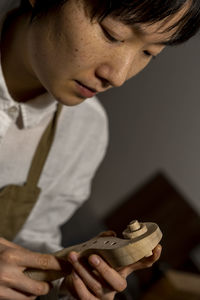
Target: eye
<point x="109" y="36"/>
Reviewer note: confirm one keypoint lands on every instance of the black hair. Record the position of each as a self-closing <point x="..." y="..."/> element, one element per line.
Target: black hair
<point x="138" y="12"/>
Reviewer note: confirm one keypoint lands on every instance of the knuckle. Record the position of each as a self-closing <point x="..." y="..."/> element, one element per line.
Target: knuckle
<point x="41" y="289"/>
<point x="8" y="255"/>
<point x="97" y="289"/>
<point x="122" y="286"/>
<point x="44" y="261"/>
<point x="38" y="291"/>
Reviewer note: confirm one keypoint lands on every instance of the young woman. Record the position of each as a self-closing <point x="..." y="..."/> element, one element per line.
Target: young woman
<point x="64" y="52"/>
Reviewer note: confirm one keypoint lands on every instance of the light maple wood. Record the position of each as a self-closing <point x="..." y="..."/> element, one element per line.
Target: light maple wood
<point x="140" y="240"/>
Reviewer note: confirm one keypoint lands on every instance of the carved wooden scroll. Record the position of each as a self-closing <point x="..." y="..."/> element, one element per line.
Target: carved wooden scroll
<point x="140" y="240"/>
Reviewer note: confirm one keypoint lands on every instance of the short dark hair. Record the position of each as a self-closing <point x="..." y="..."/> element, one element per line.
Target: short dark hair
<point x="139" y="11"/>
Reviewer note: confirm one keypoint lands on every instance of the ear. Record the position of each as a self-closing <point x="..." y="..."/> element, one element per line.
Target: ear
<point x="32" y="2"/>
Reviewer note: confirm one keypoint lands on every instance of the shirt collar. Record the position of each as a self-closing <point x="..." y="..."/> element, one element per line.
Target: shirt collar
<point x="35" y="110"/>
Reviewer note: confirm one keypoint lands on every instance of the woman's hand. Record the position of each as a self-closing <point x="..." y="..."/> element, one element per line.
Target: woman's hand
<point x="97" y="280"/>
<point x="14" y="284"/>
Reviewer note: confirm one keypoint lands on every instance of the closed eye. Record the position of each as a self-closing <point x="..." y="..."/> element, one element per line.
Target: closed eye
<point x="148" y="54"/>
<point x="109" y="37"/>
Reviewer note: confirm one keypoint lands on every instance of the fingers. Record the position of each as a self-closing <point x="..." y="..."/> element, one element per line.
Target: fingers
<point x="4" y="242"/>
<point x="12" y="278"/>
<point x="156" y="254"/>
<point x="90" y="280"/>
<point x="29" y="286"/>
<point x="108" y="277"/>
<point x="14" y="254"/>
<point x="103" y="279"/>
<point x="25" y="258"/>
<point x="41" y="261"/>
<point x="146" y="262"/>
<point x="111" y="276"/>
<point x="7" y="294"/>
<point x="81" y="289"/>
<point x="13" y="262"/>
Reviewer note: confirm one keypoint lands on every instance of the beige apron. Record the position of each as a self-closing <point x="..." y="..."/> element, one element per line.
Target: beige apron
<point x="16" y="202"/>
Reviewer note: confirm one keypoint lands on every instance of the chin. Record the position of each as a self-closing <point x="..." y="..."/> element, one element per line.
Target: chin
<point x="68" y="99"/>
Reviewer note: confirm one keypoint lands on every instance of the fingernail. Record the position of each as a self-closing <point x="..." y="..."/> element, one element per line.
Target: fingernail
<point x="72" y="257"/>
<point x="95" y="260"/>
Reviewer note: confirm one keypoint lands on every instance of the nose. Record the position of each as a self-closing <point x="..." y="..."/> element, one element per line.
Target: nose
<point x="114" y="72"/>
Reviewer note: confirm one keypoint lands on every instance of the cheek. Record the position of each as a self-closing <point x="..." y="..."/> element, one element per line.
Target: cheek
<point x="72" y="50"/>
<point x="72" y="39"/>
<point x="58" y="55"/>
<point x="61" y="48"/>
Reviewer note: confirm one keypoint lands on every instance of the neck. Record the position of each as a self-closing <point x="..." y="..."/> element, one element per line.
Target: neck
<point x="20" y="79"/>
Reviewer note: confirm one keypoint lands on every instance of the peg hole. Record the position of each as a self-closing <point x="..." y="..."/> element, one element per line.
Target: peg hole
<point x="113" y="243"/>
<point x="84" y="245"/>
<point x="106" y="242"/>
<point x="94" y="242"/>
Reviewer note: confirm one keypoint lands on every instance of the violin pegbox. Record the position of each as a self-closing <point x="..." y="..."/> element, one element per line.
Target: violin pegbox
<point x="139" y="241"/>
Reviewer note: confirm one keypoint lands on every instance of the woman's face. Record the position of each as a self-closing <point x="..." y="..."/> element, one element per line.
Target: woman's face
<point x="74" y="57"/>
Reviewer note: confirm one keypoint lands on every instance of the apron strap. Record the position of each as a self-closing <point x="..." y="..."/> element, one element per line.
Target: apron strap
<point x="43" y="149"/>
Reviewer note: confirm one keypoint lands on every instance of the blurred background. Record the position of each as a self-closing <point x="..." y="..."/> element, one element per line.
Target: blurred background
<point x="152" y="172"/>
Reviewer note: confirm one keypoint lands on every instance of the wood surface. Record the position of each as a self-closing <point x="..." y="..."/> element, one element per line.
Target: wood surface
<point x="140" y="240"/>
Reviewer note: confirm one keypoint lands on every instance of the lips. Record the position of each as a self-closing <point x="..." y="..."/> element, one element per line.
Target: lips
<point x="85" y="91"/>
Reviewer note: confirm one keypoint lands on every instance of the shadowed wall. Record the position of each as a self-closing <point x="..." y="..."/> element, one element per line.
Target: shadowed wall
<point x="154" y="125"/>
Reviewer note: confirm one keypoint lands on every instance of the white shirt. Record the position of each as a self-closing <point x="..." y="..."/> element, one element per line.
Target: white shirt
<point x="77" y="151"/>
